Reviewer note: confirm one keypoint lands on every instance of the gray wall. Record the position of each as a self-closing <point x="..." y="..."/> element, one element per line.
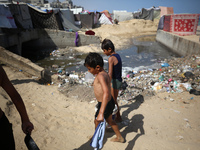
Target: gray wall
<point x="178" y="44"/>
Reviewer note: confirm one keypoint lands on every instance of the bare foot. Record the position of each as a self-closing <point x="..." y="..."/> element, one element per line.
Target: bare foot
<point x="119" y="139"/>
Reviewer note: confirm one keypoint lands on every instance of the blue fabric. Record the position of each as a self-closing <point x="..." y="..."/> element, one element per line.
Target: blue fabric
<point x="97" y="139"/>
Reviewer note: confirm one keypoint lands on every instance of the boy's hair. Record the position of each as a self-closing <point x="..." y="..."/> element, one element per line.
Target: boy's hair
<point x="106" y="44"/>
<point x="93" y="59"/>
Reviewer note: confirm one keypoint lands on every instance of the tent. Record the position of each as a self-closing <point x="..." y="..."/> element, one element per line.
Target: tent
<point x="147" y="13"/>
<point x="181" y="24"/>
<point x="7" y="20"/>
<point x="184" y="24"/>
<point x="122" y="15"/>
<point x="67" y="20"/>
<point x="43" y="20"/>
<point x="21" y="15"/>
<point x="105" y="18"/>
<point x="86" y="19"/>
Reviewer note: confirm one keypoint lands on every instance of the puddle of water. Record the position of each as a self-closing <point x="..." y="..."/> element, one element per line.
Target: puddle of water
<point x="146" y="55"/>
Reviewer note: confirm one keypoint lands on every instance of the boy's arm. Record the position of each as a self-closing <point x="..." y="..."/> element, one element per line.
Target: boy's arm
<point x="105" y="99"/>
<point x="110" y="66"/>
<point x="27" y="126"/>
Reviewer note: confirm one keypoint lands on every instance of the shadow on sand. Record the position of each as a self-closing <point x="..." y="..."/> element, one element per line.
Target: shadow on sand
<point x="135" y="124"/>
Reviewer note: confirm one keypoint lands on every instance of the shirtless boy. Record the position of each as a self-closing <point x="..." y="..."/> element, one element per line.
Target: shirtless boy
<point x="102" y="90"/>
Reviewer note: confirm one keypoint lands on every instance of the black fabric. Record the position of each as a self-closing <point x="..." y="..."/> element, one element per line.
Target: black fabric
<point x="6" y="134"/>
<point x="161" y="23"/>
<point x="109" y="108"/>
<point x="147" y="14"/>
<point x="87" y="20"/>
<point x="67" y="23"/>
<point x="43" y="20"/>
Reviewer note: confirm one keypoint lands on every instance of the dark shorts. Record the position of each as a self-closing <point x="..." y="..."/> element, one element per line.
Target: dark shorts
<point x="6" y="134"/>
<point x="116" y="84"/>
<point x="109" y="108"/>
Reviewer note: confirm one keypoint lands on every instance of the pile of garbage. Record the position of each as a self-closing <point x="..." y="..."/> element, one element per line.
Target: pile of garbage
<point x="176" y="75"/>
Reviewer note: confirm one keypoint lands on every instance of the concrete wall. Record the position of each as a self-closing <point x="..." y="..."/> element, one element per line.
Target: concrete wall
<point x="63" y="39"/>
<point x="37" y="38"/>
<point x="24" y="64"/>
<point x="14" y="38"/>
<point x="178" y="44"/>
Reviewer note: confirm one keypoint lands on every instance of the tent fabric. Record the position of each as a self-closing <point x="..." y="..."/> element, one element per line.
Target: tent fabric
<point x="122" y="16"/>
<point x="161" y="23"/>
<point x="96" y="17"/>
<point x="184" y="24"/>
<point x="166" y="26"/>
<point x="166" y="11"/>
<point x="43" y="20"/>
<point x="147" y="14"/>
<point x="156" y="13"/>
<point x="21" y="15"/>
<point x="107" y="14"/>
<point x="87" y="20"/>
<point x="104" y="20"/>
<point x="7" y="20"/>
<point x="67" y="20"/>
<point x="136" y="15"/>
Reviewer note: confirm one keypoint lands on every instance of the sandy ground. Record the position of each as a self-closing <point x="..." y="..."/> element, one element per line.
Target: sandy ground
<point x="64" y="122"/>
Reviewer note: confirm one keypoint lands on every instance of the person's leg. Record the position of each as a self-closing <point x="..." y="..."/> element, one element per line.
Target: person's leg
<point x="114" y="93"/>
<point x="115" y="128"/>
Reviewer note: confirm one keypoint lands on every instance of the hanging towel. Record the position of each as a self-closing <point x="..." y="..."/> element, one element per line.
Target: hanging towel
<point x="97" y="139"/>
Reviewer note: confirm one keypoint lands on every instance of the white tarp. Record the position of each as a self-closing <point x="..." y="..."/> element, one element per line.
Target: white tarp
<point x="122" y="15"/>
<point x="104" y="20"/>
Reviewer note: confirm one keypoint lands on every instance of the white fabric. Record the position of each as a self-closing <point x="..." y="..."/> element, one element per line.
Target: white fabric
<point x="104" y="20"/>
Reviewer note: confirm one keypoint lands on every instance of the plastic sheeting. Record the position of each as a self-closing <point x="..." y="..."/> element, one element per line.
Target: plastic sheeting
<point x="87" y="20"/>
<point x="21" y="15"/>
<point x="147" y="14"/>
<point x="161" y="23"/>
<point x="122" y="15"/>
<point x="104" y="20"/>
<point x="6" y="18"/>
<point x="67" y="20"/>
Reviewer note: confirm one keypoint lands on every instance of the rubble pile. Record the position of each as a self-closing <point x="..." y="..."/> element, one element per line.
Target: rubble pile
<point x="176" y="76"/>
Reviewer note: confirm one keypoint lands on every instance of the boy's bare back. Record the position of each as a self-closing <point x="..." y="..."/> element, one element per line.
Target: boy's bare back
<point x="102" y="86"/>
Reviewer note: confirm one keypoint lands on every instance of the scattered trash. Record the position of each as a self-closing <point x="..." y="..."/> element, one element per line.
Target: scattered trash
<point x="74" y="76"/>
<point x="165" y="65"/>
<point x="195" y="92"/>
<point x="179" y="137"/>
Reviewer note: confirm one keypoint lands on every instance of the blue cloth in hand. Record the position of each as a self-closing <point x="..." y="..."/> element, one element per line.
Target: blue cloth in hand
<point x="97" y="139"/>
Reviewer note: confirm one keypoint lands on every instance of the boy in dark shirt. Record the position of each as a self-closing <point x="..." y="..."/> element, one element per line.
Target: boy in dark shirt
<point x="114" y="71"/>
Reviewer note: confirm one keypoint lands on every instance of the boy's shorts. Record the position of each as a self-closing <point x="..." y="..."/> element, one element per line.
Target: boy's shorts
<point x="109" y="108"/>
<point x="6" y="134"/>
<point x="116" y="84"/>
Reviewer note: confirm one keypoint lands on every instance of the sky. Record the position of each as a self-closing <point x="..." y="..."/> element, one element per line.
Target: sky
<point x="179" y="6"/>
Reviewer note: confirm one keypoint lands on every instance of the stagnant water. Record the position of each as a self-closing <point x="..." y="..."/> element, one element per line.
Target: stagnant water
<point x="146" y="55"/>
